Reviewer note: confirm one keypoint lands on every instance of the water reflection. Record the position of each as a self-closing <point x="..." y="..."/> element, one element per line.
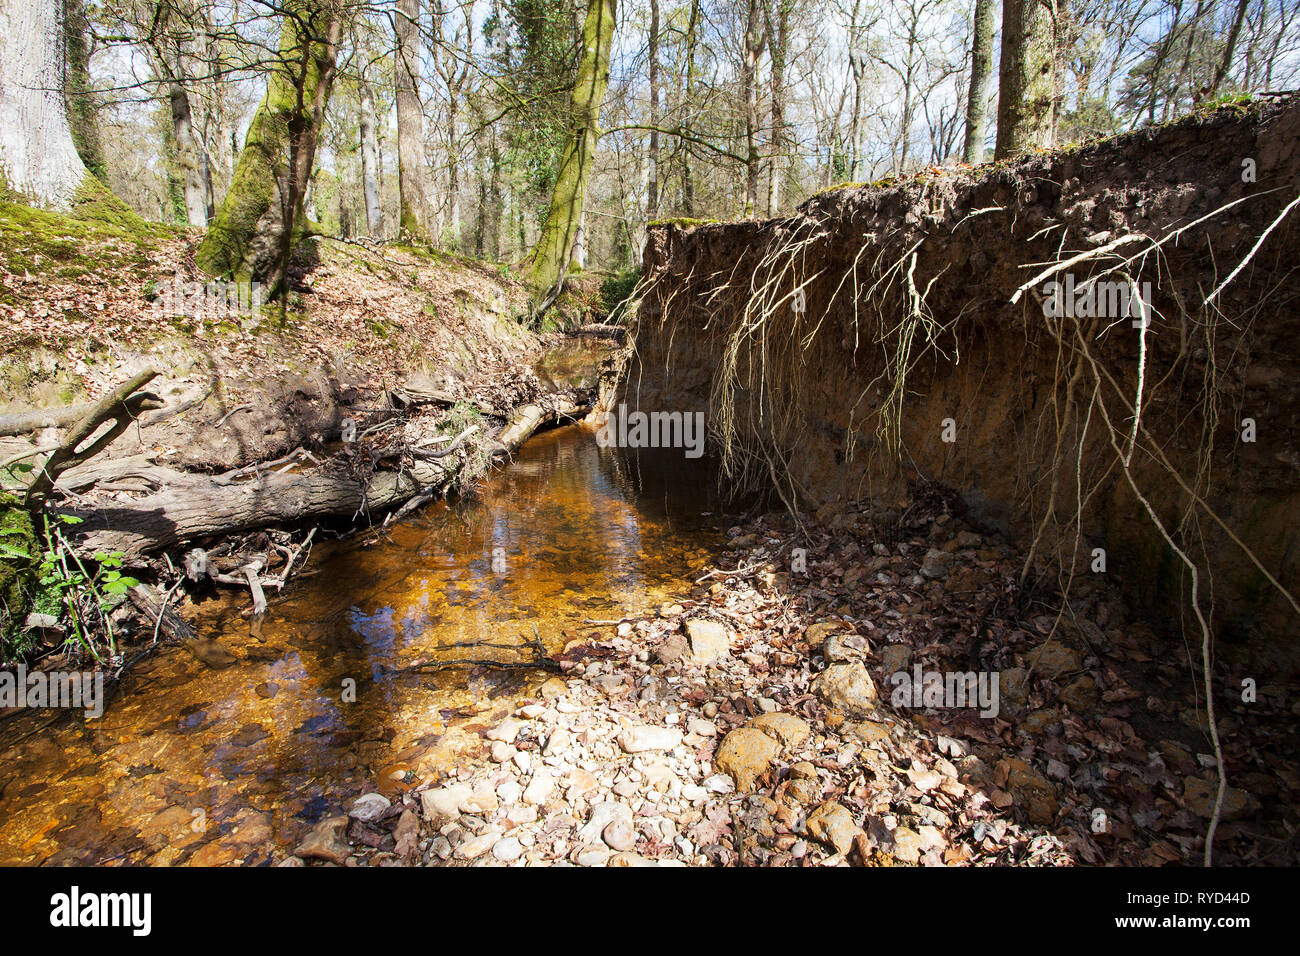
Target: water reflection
<point x="204" y="766"/>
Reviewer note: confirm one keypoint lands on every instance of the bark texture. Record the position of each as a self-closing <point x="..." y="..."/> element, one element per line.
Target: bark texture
<point x="38" y="158"/>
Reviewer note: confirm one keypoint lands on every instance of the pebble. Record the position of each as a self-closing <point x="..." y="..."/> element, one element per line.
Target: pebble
<point x="541" y="786"/>
<point x="641" y="739"/>
<point x="506" y="731"/>
<point x="369" y="807"/>
<point x="507" y="850"/>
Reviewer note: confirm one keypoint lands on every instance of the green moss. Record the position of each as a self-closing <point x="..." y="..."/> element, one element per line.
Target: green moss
<point x="98" y="232"/>
<point x="19" y="555"/>
<point x="839" y="187"/>
<point x="681" y="222"/>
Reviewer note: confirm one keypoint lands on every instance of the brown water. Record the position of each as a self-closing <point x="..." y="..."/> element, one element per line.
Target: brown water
<point x="193" y="765"/>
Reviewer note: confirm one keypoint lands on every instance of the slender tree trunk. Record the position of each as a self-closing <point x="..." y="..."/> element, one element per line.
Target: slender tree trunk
<point x="778" y="47"/>
<point x="981" y="68"/>
<point x="261" y="219"/>
<point x="187" y="156"/>
<point x="688" y="173"/>
<point x="495" y="200"/>
<point x="453" y="175"/>
<point x="652" y="186"/>
<point x="1230" y="48"/>
<point x="37" y="154"/>
<point x="412" y="170"/>
<point x="1026" y="78"/>
<point x="551" y="256"/>
<point x="370" y="162"/>
<point x="754" y="43"/>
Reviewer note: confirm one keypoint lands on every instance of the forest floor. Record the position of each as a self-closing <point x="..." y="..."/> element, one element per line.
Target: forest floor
<point x="787" y="685"/>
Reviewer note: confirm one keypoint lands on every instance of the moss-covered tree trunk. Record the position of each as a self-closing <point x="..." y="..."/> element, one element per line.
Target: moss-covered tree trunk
<point x="1026" y="77"/>
<point x="261" y="218"/>
<point x="83" y="116"/>
<point x="549" y="261"/>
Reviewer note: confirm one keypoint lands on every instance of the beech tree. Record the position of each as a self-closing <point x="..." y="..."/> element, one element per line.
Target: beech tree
<point x="261" y="219"/>
<point x="412" y="171"/>
<point x="38" y="157"/>
<point x="549" y="262"/>
<point x="981" y="67"/>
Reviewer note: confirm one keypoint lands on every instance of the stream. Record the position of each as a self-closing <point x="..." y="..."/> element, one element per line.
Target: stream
<point x="193" y="765"/>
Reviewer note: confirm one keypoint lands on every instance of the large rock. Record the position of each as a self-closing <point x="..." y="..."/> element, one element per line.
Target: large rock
<point x="833" y="825"/>
<point x="710" y="640"/>
<point x="1032" y="792"/>
<point x="786" y="729"/>
<point x="1053" y="659"/>
<point x="744" y="755"/>
<point x="325" y="842"/>
<point x="370" y="807"/>
<point x="817" y="634"/>
<point x="847" y="688"/>
<point x="603" y="817"/>
<point x="1199" y="796"/>
<point x="444" y="802"/>
<point x="842" y="648"/>
<point x="937" y="564"/>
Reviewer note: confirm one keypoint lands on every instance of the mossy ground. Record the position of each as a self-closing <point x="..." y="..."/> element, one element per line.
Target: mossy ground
<point x="98" y="233"/>
<point x="19" y="554"/>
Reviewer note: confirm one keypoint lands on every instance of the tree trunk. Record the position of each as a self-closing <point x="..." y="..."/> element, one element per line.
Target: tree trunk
<point x="652" y="185"/>
<point x="412" y="172"/>
<point x="370" y="163"/>
<point x="453" y="177"/>
<point x="1225" y="64"/>
<point x="261" y="218"/>
<point x="37" y="154"/>
<point x="550" y="257"/>
<point x="753" y="46"/>
<point x="495" y="199"/>
<point x="187" y="156"/>
<point x="1025" y="78"/>
<point x="688" y="173"/>
<point x="191" y="507"/>
<point x="981" y="67"/>
<point x="83" y="117"/>
<point x="778" y="48"/>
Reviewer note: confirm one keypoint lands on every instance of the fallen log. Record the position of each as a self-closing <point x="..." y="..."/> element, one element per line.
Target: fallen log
<point x="616" y="332"/>
<point x="528" y="418"/>
<point x="190" y="507"/>
<point x="32" y="420"/>
<point x="85" y="440"/>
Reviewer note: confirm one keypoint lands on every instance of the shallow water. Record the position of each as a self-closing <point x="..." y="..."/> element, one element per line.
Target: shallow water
<point x="193" y="765"/>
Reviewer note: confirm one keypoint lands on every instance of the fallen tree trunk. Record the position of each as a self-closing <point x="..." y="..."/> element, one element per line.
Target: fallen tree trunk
<point x="33" y="420"/>
<point x="191" y="507"/>
<point x="616" y="332"/>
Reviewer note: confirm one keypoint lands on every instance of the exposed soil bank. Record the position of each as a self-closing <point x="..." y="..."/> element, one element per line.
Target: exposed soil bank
<point x="871" y="341"/>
